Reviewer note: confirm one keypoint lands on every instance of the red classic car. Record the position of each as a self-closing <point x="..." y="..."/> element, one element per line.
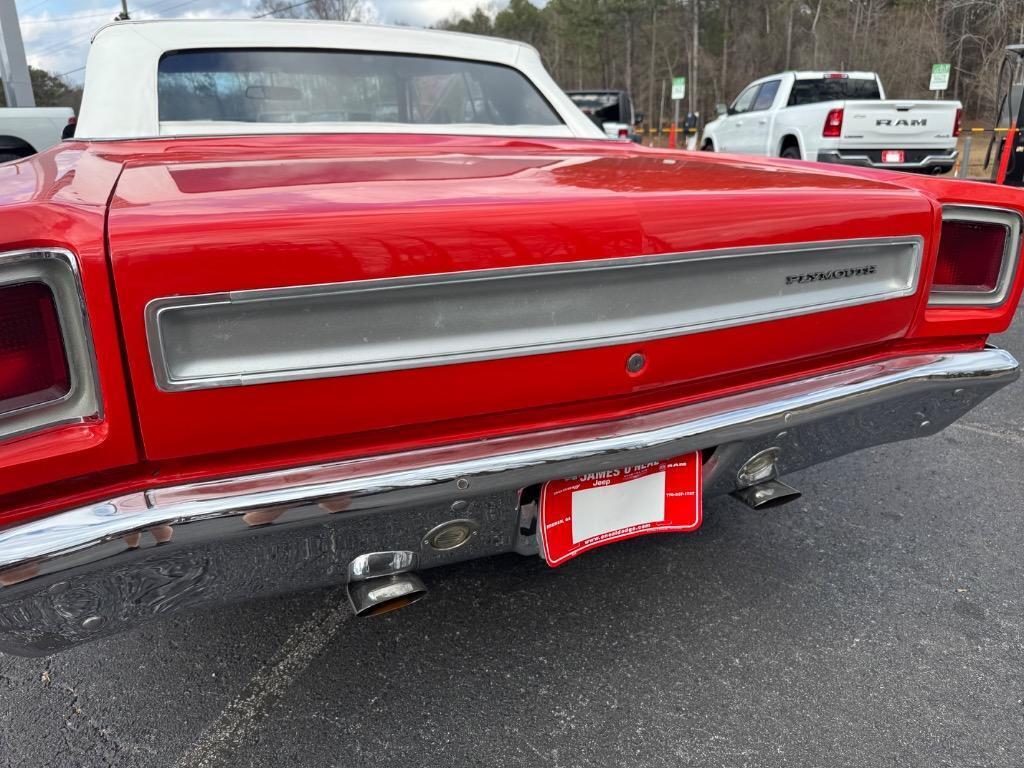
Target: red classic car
<point x="306" y="304"/>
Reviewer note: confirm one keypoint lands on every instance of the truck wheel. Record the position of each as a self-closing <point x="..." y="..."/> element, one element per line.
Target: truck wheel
<point x="707" y="146"/>
<point x="791" y="153"/>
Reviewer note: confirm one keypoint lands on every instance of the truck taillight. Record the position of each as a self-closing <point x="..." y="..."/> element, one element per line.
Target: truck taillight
<point x="33" y="363"/>
<point x="957" y="121"/>
<point x="833" y="124"/>
<point x="623" y="133"/>
<point x="977" y="256"/>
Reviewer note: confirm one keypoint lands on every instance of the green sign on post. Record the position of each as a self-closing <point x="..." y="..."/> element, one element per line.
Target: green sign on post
<point x="940" y="77"/>
<point x="678" y="88"/>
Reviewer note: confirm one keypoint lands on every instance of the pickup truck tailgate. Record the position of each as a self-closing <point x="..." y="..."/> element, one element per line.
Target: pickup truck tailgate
<point x="332" y="291"/>
<point x="898" y="124"/>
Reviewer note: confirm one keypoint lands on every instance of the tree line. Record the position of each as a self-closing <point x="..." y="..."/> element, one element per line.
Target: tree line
<point x="50" y="91"/>
<point x="721" y="45"/>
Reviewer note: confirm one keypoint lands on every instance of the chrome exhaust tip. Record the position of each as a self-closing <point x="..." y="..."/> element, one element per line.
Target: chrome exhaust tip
<point x="384" y="594"/>
<point x="766" y="495"/>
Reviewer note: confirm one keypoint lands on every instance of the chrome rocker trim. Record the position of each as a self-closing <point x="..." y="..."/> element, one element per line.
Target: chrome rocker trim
<point x="102" y="568"/>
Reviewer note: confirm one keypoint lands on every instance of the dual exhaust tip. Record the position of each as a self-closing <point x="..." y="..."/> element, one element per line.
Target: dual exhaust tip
<point x="766" y="495"/>
<point x="381" y="582"/>
<point x="759" y="487"/>
<point x="384" y="594"/>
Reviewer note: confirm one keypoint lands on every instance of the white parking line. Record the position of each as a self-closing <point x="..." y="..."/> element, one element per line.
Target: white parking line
<point x="238" y="721"/>
<point x="1011" y="437"/>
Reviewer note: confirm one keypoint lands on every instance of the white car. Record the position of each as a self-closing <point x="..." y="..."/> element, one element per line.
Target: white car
<point x="836" y="117"/>
<point x="27" y="130"/>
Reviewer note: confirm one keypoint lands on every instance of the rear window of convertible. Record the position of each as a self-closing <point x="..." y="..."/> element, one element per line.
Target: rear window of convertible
<point x="301" y="86"/>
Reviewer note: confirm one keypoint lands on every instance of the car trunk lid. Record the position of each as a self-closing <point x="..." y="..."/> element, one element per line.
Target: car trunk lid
<point x="359" y="288"/>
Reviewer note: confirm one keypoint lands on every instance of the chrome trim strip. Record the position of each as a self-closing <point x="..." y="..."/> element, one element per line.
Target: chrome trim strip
<point x="307" y="332"/>
<point x="956" y="380"/>
<point x="1013" y="222"/>
<point x="57" y="268"/>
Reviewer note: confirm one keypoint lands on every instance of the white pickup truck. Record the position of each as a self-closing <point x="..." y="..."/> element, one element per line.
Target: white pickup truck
<point x="27" y="130"/>
<point x="836" y="117"/>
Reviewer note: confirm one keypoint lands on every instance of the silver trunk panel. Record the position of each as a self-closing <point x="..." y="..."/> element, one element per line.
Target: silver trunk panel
<point x="281" y="334"/>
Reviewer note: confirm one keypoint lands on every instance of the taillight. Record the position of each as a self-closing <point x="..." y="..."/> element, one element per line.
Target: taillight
<point x="623" y="133"/>
<point x="970" y="256"/>
<point x="48" y="373"/>
<point x="33" y="363"/>
<point x="833" y="124"/>
<point x="976" y="256"/>
<point x="957" y="121"/>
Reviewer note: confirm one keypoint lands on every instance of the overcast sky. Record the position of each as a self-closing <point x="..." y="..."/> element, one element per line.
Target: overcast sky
<point x="57" y="32"/>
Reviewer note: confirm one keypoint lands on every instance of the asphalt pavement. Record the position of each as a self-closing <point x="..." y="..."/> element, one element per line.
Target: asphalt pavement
<point x="875" y="622"/>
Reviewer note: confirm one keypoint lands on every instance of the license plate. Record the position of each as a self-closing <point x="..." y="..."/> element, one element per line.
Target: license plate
<point x="581" y="513"/>
<point x="892" y="156"/>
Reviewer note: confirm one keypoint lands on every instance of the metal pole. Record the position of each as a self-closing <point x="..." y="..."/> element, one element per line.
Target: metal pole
<point x="675" y="122"/>
<point x="13" y="66"/>
<point x="661" y="112"/>
<point x="965" y="156"/>
<point x="123" y="16"/>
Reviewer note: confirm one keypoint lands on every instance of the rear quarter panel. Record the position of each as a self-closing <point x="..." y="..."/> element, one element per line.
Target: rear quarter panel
<point x="58" y="199"/>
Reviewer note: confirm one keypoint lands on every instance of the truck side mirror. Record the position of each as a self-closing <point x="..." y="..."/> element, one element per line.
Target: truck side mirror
<point x="638" y="118"/>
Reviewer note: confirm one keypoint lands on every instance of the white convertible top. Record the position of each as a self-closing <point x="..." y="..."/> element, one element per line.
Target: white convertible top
<point x="120" y="100"/>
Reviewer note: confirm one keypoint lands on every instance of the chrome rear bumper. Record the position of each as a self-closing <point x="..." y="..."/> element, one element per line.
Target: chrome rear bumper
<point x="95" y="570"/>
<point x="941" y="159"/>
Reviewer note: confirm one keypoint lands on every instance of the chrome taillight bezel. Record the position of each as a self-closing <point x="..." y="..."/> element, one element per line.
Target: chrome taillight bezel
<point x="58" y="270"/>
<point x="1013" y="223"/>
